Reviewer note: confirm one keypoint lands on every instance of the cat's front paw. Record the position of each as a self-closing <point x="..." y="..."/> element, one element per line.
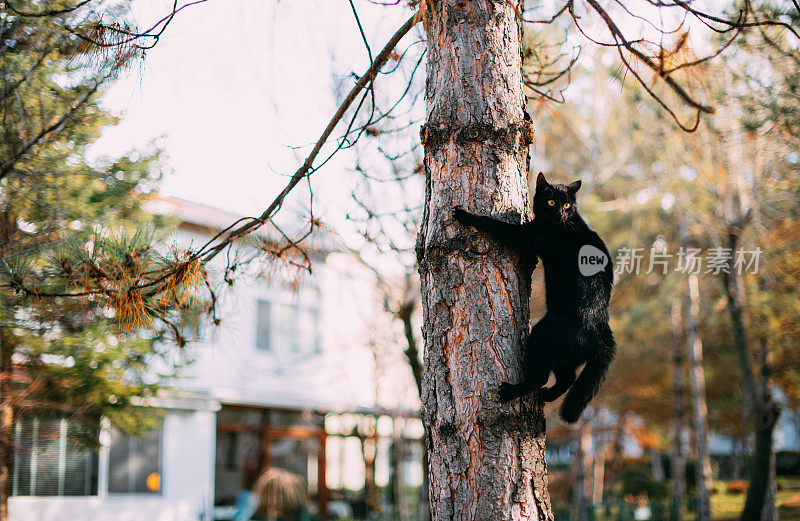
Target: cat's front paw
<point x="462" y="216"/>
<point x="507" y="392"/>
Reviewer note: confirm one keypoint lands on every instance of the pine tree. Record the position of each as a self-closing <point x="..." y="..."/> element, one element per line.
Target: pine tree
<point x="486" y="458"/>
<point x="67" y="224"/>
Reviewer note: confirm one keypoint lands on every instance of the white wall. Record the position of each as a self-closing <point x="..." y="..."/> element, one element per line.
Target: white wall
<point x="187" y="481"/>
<point x="344" y="375"/>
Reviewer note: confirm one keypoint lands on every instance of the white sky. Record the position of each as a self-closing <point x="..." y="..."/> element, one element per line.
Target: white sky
<point x="233" y="83"/>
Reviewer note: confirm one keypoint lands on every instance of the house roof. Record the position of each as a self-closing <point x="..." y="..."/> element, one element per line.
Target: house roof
<point x="194" y="212"/>
<point x="214" y="220"/>
<point x="198" y="214"/>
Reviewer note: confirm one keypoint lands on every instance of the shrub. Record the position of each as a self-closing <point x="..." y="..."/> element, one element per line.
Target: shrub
<point x="638" y="479"/>
<point x="738" y="486"/>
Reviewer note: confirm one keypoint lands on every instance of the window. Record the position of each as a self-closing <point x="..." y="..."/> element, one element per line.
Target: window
<point x="191" y="329"/>
<point x="285" y="332"/>
<point x="262" y="324"/>
<point x="289" y="328"/>
<point x="308" y="329"/>
<point x="52" y="459"/>
<point x="134" y="463"/>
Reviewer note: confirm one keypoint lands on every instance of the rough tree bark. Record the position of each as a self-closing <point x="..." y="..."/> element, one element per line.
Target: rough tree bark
<point x="677" y="461"/>
<point x="486" y="458"/>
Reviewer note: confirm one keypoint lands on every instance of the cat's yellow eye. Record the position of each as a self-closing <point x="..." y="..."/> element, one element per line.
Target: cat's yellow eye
<point x="551" y="202"/>
<point x="567" y="206"/>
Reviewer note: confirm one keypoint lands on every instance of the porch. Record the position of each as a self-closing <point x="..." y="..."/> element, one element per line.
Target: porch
<point x="350" y="464"/>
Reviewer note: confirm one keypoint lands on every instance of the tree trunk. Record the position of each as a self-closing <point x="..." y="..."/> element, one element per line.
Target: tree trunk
<point x="764" y="411"/>
<point x="699" y="408"/>
<point x="580" y="493"/>
<point x="738" y="454"/>
<point x="769" y="512"/>
<point x="369" y="449"/>
<point x="398" y="471"/>
<point x="411" y="352"/>
<point x="759" y="471"/>
<point x="598" y="467"/>
<point x="405" y="313"/>
<point x="486" y="458"/>
<point x="677" y="462"/>
<point x="615" y="467"/>
<point x="657" y="465"/>
<point x="6" y="422"/>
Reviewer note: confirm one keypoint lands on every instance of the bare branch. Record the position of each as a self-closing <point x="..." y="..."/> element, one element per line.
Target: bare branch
<point x="620" y="38"/>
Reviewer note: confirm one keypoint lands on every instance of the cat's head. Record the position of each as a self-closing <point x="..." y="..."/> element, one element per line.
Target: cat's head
<point x="554" y="202"/>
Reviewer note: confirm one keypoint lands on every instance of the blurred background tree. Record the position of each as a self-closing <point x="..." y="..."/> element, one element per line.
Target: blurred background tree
<point x="735" y="181"/>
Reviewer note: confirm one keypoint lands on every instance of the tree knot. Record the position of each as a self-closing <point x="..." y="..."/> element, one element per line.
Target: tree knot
<point x="512" y="138"/>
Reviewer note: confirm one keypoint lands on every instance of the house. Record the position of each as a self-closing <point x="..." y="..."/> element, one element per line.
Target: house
<point x="302" y="378"/>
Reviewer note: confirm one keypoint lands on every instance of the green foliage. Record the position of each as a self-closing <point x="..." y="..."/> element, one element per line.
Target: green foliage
<point x="74" y="225"/>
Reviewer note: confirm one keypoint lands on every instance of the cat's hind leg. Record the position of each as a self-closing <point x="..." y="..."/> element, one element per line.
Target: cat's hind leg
<point x="565" y="377"/>
<point x="509" y="391"/>
<point x="536" y="369"/>
<point x="531" y="380"/>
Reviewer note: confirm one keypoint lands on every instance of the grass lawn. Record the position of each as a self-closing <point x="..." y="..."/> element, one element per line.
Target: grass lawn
<point x="725" y="507"/>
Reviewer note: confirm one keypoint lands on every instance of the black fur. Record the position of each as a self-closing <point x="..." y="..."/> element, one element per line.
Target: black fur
<point x="575" y="328"/>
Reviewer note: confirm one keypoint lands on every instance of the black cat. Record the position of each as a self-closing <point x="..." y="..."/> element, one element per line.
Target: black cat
<point x="575" y="328"/>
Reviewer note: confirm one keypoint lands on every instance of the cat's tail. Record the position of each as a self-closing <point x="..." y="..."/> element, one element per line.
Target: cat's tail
<point x="590" y="379"/>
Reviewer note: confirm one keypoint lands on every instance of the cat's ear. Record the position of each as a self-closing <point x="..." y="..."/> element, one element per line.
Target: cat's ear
<point x="573" y="188"/>
<point x="541" y="182"/>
